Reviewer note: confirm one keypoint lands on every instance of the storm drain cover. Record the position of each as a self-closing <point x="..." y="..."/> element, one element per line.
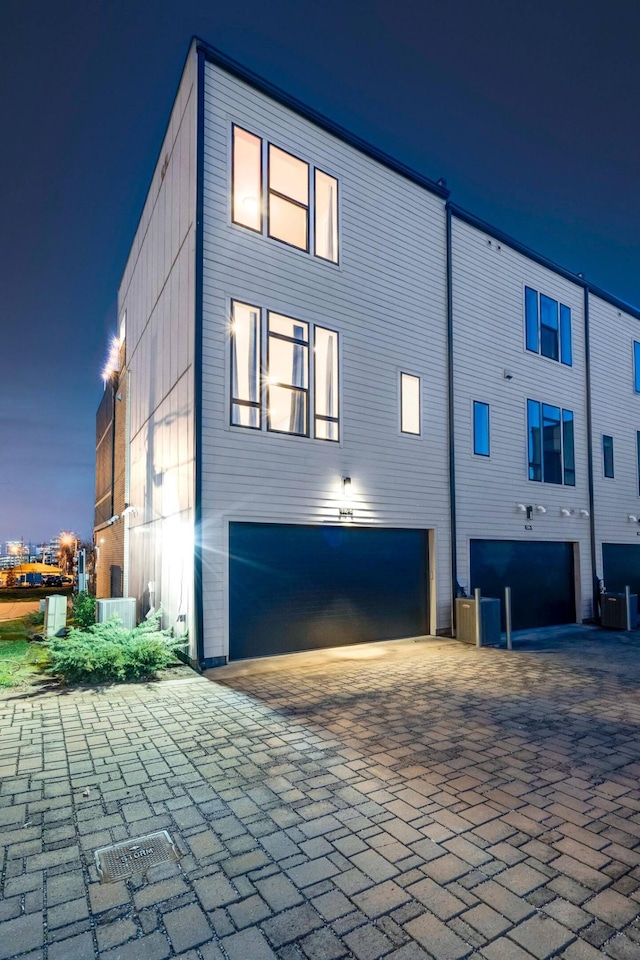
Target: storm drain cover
<point x="132" y="856"/>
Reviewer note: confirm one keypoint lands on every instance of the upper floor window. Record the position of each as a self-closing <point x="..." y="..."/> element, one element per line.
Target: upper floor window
<point x="481" y="441"/>
<point x="288" y="198"/>
<point x="280" y="394"/>
<point x="301" y="201"/>
<point x="547" y="326"/>
<point x="607" y="456"/>
<point x="636" y="366"/>
<point x="410" y="404"/>
<point x="551" y="446"/>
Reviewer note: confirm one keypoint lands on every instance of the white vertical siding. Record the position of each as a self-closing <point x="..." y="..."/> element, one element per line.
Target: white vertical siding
<point x="387" y="299"/>
<point x="615" y="412"/>
<point x="489" y="337"/>
<point x="157" y="292"/>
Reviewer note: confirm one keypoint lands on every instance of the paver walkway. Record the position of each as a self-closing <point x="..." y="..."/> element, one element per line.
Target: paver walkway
<point x="406" y="801"/>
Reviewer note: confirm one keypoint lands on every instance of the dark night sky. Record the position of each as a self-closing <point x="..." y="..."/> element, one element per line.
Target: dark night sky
<point x="529" y="108"/>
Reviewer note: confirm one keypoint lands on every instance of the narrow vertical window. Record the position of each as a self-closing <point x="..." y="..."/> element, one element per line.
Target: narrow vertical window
<point x="566" y="353"/>
<point x="607" y="456"/>
<point x="551" y="444"/>
<point x="288" y="376"/>
<point x="245" y="365"/>
<point x="636" y="366"/>
<point x="325" y="358"/>
<point x="531" y="319"/>
<point x="638" y="457"/>
<point x="549" y="327"/>
<point x="534" y="440"/>
<point x="481" y="443"/>
<point x="247" y="180"/>
<point x="568" y="449"/>
<point x="288" y="198"/>
<point x="409" y="404"/>
<point x="326" y="217"/>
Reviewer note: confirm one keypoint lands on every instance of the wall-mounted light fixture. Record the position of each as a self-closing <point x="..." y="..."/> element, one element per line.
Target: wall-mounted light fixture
<point x="632" y="518"/>
<point x="507" y="374"/>
<point x="540" y="508"/>
<point x="585" y="514"/>
<point x="565" y="512"/>
<point x="521" y="508"/>
<point x="345" y="510"/>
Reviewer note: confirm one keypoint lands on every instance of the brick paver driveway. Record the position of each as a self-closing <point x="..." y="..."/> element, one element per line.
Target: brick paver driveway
<point x="403" y="800"/>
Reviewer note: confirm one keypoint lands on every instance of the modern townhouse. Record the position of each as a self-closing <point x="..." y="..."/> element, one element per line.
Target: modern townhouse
<point x="348" y="400"/>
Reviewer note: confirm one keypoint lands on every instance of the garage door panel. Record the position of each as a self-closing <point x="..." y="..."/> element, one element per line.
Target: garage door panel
<point x="301" y="587"/>
<point x="621" y="566"/>
<point x="539" y="573"/>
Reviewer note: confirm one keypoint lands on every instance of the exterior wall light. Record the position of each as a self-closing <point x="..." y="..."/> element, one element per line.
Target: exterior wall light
<point x="346" y="488"/>
<point x="564" y="512"/>
<point x="632" y="518"/>
<point x="540" y="508"/>
<point x="521" y="508"/>
<point x="584" y="513"/>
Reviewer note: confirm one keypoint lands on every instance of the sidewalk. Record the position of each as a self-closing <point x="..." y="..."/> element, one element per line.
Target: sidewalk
<point x="401" y="801"/>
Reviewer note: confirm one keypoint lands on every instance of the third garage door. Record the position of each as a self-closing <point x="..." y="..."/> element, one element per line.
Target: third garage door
<point x="621" y="566"/>
<point x="294" y="587"/>
<point x="539" y="573"/>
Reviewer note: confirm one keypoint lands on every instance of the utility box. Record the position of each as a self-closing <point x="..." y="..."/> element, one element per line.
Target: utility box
<point x="124" y="608"/>
<point x="55" y="616"/>
<point x="489" y="622"/>
<point x="614" y="612"/>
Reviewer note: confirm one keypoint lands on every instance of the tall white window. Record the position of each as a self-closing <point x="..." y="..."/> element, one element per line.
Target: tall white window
<point x="326" y="384"/>
<point x="288" y="377"/>
<point x="326" y="217"/>
<point x="288" y="198"/>
<point x="410" y="404"/>
<point x="247" y="180"/>
<point x="245" y="365"/>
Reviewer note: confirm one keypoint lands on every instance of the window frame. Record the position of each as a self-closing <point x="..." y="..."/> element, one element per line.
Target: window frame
<point x="266" y="192"/>
<point x="317" y="170"/>
<point x="608" y="454"/>
<point x="563" y="425"/>
<point x="306" y="391"/>
<point x="323" y="417"/>
<point x="259" y="230"/>
<point x="564" y="330"/>
<point x="282" y="196"/>
<point x="262" y="405"/>
<point x="636" y="366"/>
<point x="251" y="404"/>
<point x="413" y="376"/>
<point x="475" y="405"/>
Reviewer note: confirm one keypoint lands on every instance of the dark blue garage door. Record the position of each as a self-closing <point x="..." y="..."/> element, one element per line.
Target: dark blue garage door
<point x="621" y="566"/>
<point x="300" y="587"/>
<point x="540" y="576"/>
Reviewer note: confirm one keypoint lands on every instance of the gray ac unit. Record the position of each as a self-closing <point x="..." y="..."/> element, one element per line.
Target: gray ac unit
<point x="489" y="625"/>
<point x="122" y="607"/>
<point x="614" y="613"/>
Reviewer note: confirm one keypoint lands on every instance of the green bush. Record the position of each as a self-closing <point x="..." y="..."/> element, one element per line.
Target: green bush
<point x="34" y="619"/>
<point x="110" y="653"/>
<point x="83" y="608"/>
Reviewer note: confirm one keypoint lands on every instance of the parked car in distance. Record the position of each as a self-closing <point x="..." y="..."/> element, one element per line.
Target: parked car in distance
<point x="51" y="580"/>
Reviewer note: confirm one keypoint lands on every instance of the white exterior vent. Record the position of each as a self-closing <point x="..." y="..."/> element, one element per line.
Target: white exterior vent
<point x="122" y="607"/>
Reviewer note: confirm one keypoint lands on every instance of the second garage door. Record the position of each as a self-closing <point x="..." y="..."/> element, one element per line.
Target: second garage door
<point x="539" y="573"/>
<point x="297" y="587"/>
